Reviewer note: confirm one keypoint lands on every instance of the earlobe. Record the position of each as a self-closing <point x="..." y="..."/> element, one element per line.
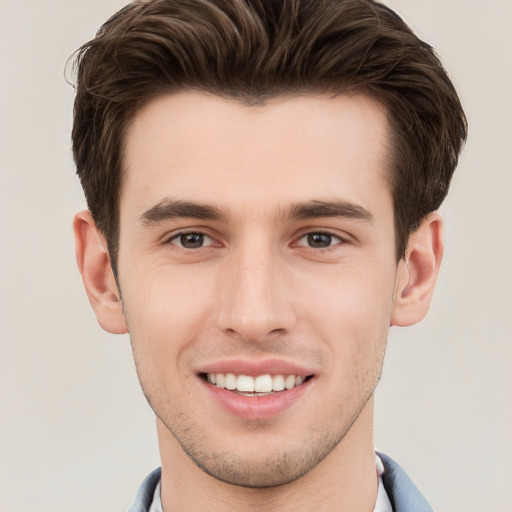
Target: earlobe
<point x="94" y="265"/>
<point x="418" y="271"/>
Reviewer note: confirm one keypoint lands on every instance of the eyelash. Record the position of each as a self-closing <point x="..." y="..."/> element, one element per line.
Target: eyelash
<point x="332" y="237"/>
<point x="203" y="236"/>
<point x="182" y="234"/>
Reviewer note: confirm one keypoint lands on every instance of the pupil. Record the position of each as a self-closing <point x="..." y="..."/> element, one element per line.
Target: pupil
<point x="192" y="240"/>
<point x="319" y="240"/>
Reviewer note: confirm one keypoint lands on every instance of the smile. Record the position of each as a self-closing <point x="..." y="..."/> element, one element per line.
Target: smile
<point x="260" y="385"/>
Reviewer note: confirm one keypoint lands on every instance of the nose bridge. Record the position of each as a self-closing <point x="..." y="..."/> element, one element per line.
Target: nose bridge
<point x="255" y="299"/>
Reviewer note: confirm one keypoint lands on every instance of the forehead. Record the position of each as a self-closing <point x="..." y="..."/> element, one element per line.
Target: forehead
<point x="212" y="147"/>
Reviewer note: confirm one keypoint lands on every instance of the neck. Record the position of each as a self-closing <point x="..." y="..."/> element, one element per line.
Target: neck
<point x="343" y="481"/>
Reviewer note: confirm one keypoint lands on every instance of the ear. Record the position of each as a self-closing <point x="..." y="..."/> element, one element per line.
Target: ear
<point x="417" y="272"/>
<point x="94" y="265"/>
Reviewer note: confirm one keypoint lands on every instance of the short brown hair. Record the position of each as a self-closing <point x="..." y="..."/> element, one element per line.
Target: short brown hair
<point x="253" y="50"/>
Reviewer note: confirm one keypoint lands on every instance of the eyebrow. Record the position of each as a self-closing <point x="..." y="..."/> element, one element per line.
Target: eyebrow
<point x="319" y="209"/>
<point x="171" y="209"/>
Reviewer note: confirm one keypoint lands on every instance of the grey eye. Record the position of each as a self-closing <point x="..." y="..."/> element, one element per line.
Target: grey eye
<point x="319" y="240"/>
<point x="191" y="240"/>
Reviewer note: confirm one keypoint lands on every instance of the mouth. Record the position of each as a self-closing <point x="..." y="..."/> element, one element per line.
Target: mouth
<point x="254" y="386"/>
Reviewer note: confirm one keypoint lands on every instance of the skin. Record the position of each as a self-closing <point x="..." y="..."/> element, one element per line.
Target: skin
<point x="256" y="285"/>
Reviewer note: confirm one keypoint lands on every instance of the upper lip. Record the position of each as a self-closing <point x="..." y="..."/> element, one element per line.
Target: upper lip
<point x="253" y="368"/>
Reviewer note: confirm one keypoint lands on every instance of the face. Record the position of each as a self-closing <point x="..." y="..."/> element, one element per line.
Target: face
<point x="257" y="272"/>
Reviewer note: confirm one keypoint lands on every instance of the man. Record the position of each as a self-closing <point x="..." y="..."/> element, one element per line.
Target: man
<point x="262" y="180"/>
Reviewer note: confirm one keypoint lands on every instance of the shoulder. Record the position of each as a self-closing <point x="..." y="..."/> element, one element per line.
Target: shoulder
<point x="144" y="497"/>
<point x="402" y="492"/>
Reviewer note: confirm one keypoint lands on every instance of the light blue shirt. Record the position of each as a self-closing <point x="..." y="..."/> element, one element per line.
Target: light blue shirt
<point x="397" y="493"/>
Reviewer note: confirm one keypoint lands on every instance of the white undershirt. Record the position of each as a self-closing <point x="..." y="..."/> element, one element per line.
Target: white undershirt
<point x="382" y="505"/>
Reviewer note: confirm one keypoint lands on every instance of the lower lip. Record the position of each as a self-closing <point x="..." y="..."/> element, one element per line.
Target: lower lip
<point x="256" y="407"/>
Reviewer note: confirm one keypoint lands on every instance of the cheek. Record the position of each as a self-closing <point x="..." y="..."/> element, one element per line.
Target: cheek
<point x="170" y="314"/>
<point x="169" y="298"/>
<point x="351" y="312"/>
<point x="356" y="295"/>
<point x="164" y="313"/>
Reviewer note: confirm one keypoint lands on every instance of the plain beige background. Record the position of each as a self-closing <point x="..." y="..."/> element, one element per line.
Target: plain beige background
<point x="75" y="432"/>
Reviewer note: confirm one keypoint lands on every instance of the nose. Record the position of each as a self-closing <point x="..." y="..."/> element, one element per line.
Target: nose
<point x="255" y="300"/>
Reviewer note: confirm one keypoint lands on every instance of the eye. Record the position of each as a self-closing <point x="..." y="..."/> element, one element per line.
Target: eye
<point x="319" y="240"/>
<point x="191" y="240"/>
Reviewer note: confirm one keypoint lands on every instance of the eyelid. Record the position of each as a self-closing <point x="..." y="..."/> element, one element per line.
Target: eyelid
<point x="207" y="240"/>
<point x="183" y="230"/>
<point x="338" y="240"/>
<point x="342" y="236"/>
<point x="169" y="238"/>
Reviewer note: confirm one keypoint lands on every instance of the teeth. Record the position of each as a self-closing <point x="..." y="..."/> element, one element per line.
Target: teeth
<point x="289" y="382"/>
<point x="231" y="381"/>
<point x="245" y="384"/>
<point x="263" y="384"/>
<point x="260" y="385"/>
<point x="278" y="383"/>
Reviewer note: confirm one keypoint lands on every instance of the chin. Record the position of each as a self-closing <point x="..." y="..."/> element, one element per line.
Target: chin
<point x="266" y="468"/>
